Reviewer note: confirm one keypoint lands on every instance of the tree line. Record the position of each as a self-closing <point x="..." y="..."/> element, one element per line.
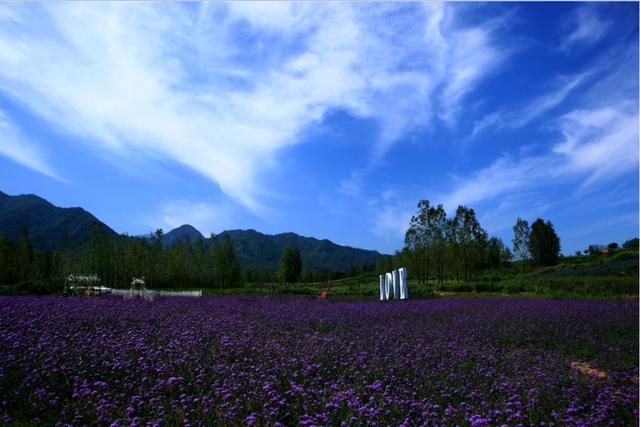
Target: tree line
<point x="440" y="248"/>
<point x="116" y="259"/>
<point x="436" y="247"/>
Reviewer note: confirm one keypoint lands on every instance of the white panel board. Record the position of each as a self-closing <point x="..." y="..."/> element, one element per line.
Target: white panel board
<point x="404" y="285"/>
<point x="383" y="288"/>
<point x="396" y="284"/>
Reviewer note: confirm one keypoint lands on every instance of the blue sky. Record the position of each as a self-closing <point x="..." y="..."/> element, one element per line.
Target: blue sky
<point x="331" y="120"/>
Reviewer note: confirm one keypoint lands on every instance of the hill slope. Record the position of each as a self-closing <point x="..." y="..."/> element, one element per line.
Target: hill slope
<point x="184" y="232"/>
<point x="48" y="225"/>
<point x="258" y="251"/>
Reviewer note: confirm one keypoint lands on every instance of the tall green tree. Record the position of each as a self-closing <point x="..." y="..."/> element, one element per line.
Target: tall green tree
<point x="544" y="243"/>
<point x="520" y="241"/>
<point x="631" y="244"/>
<point x="456" y="245"/>
<point x="437" y="237"/>
<point x="384" y="264"/>
<point x="156" y="276"/>
<point x="290" y="265"/>
<point x="200" y="262"/>
<point x="226" y="266"/>
<point x="416" y="240"/>
<point x="497" y="253"/>
<point x="296" y="264"/>
<point x="472" y="240"/>
<point x="8" y="262"/>
<point x="453" y="231"/>
<point x="25" y="255"/>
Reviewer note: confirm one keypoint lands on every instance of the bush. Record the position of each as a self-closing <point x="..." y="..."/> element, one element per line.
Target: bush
<point x="36" y="288"/>
<point x="589" y="286"/>
<point x="624" y="255"/>
<point x="514" y="288"/>
<point x="488" y="287"/>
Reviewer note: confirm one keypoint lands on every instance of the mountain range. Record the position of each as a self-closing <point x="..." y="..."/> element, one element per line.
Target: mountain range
<point x="51" y="227"/>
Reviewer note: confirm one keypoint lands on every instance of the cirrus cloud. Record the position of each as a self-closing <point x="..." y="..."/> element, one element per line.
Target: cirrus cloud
<point x="222" y="88"/>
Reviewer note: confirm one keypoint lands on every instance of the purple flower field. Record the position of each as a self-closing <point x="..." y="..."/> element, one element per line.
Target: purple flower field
<point x="261" y="361"/>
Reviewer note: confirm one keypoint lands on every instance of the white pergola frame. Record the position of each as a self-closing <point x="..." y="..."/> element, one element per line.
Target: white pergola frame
<point x="79" y="284"/>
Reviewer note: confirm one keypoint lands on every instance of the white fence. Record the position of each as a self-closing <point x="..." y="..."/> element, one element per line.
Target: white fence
<point x="150" y="295"/>
<point x="139" y="290"/>
<point x="90" y="285"/>
<point x="394" y="285"/>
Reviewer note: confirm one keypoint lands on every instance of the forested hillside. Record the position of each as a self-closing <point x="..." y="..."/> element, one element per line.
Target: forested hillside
<point x="39" y="241"/>
<point x="258" y="251"/>
<point x="49" y="226"/>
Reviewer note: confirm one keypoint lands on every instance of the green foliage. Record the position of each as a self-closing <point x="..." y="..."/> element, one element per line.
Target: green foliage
<point x="227" y="271"/>
<point x="472" y="239"/>
<point x="625" y="255"/>
<point x="307" y="276"/>
<point x="572" y="277"/>
<point x="203" y="264"/>
<point x="117" y="259"/>
<point x="544" y="243"/>
<point x="32" y="288"/>
<point x="594" y="249"/>
<point x="447" y="247"/>
<point x="497" y="253"/>
<point x="443" y="254"/>
<point x="256" y="251"/>
<point x="631" y="244"/>
<point x="50" y="227"/>
<point x="290" y="265"/>
<point x="66" y="230"/>
<point x="521" y="234"/>
<point x="19" y="262"/>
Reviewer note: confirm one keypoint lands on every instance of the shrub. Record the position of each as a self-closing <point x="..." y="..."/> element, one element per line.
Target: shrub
<point x="514" y="288"/>
<point x="624" y="255"/>
<point x="492" y="286"/>
<point x="36" y="288"/>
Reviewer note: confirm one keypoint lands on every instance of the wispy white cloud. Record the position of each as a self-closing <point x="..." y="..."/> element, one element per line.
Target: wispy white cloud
<point x="390" y="222"/>
<point x="473" y="56"/>
<point x="535" y="108"/>
<point x="548" y="101"/>
<point x="352" y="186"/>
<point x="598" y="144"/>
<point x="602" y="143"/>
<point x="494" y="121"/>
<point x="22" y="150"/>
<point x="221" y="88"/>
<point x="503" y="176"/>
<point x="388" y="212"/>
<point x="587" y="28"/>
<point x="525" y="204"/>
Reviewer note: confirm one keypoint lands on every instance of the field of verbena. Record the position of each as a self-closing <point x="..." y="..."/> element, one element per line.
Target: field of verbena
<point x="291" y="361"/>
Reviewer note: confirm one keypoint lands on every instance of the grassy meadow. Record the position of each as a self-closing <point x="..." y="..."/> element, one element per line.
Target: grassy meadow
<point x="595" y="276"/>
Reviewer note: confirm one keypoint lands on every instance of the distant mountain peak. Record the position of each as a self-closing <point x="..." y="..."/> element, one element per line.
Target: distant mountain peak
<point x="51" y="227"/>
<point x="259" y="251"/>
<point x="48" y="225"/>
<point x="184" y="232"/>
<point x="186" y="228"/>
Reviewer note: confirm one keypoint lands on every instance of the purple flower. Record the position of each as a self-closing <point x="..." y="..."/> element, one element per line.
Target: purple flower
<point x="490" y="361"/>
